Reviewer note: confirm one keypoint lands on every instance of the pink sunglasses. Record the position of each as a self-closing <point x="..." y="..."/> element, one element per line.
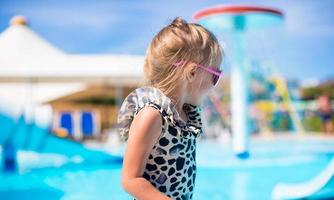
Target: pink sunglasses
<point x="215" y="72"/>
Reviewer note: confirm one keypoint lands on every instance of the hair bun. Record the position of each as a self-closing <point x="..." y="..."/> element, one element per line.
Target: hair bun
<point x="178" y="22"/>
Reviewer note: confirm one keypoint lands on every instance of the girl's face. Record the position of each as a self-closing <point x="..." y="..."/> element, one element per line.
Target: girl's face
<point x="199" y="87"/>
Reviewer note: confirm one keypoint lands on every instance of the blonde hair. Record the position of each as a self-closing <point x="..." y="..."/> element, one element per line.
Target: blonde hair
<point x="179" y="41"/>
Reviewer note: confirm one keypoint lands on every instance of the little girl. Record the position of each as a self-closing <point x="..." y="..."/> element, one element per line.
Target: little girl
<point x="161" y="121"/>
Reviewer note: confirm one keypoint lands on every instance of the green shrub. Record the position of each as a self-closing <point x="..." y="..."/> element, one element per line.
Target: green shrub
<point x="313" y="123"/>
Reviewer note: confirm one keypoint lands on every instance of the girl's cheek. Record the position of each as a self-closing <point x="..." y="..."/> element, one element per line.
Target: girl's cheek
<point x="203" y="86"/>
<point x="207" y="84"/>
<point x="205" y="91"/>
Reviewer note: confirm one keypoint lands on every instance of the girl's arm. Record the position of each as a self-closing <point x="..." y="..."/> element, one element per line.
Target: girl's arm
<point x="144" y="132"/>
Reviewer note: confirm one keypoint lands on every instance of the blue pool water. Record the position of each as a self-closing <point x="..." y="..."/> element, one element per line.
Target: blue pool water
<point x="220" y="175"/>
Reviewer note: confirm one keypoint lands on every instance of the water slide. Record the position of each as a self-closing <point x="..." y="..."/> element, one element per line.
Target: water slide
<point x="20" y="135"/>
<point x="282" y="88"/>
<point x="320" y="187"/>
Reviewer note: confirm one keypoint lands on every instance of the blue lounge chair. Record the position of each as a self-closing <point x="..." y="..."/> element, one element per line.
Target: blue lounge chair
<point x="66" y="122"/>
<point x="87" y="123"/>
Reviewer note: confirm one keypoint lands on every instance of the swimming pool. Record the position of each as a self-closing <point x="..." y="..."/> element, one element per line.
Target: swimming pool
<point x="220" y="175"/>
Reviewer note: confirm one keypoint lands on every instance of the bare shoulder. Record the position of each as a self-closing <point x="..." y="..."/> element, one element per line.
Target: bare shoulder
<point x="146" y="125"/>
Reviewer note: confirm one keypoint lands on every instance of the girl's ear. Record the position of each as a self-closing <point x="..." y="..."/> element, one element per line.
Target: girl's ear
<point x="191" y="72"/>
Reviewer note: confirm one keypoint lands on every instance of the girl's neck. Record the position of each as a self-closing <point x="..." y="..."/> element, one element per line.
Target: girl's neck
<point x="178" y="98"/>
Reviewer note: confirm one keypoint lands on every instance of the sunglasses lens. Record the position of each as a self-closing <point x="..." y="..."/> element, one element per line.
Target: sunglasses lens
<point x="215" y="79"/>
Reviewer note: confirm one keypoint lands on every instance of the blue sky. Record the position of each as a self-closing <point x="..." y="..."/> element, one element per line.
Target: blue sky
<point x="306" y="40"/>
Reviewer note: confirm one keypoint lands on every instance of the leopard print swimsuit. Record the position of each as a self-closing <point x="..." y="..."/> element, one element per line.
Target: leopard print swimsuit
<point x="171" y="166"/>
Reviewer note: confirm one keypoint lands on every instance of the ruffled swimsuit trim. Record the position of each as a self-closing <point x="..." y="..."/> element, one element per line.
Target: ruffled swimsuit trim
<point x="148" y="95"/>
